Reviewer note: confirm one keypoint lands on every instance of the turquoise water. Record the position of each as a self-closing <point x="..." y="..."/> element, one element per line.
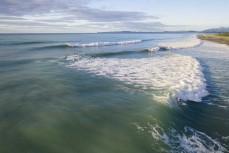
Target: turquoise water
<point x="111" y="98"/>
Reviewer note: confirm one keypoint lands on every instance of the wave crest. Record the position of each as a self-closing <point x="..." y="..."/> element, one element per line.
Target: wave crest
<point x="97" y="44"/>
<point x="181" y="44"/>
<point x="154" y="49"/>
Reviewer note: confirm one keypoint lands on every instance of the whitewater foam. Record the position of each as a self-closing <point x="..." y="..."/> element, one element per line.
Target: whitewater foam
<point x="97" y="44"/>
<point x="186" y="140"/>
<point x="181" y="44"/>
<point x="154" y="49"/>
<point x="176" y="75"/>
<point x="190" y="140"/>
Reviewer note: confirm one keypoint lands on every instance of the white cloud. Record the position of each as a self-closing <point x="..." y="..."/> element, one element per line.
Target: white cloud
<point x="74" y="15"/>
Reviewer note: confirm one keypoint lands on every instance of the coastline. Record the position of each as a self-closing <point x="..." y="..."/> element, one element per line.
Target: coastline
<point x="219" y="38"/>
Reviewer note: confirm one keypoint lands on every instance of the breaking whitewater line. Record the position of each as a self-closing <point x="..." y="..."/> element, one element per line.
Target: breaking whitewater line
<point x="97" y="44"/>
<point x="181" y="44"/>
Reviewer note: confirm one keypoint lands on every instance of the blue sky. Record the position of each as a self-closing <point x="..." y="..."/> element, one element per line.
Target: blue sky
<point x="111" y="15"/>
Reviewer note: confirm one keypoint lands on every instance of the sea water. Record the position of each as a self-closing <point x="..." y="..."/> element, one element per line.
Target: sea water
<point x="93" y="93"/>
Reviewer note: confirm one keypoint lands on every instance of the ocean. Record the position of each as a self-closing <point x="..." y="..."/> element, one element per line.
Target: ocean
<point x="113" y="93"/>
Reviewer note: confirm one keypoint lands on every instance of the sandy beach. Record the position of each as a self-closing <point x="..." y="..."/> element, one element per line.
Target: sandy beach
<point x="220" y="38"/>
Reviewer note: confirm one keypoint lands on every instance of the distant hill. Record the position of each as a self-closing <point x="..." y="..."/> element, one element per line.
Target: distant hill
<point x="217" y="30"/>
<point x="143" y="32"/>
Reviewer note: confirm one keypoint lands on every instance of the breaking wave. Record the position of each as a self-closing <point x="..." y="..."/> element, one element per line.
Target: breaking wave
<point x="154" y="49"/>
<point x="180" y="44"/>
<point x="97" y="44"/>
<point x="176" y="75"/>
<point x="187" y="140"/>
<point x="162" y="46"/>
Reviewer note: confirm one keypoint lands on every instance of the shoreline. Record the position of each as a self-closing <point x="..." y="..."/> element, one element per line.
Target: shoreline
<point x="219" y="38"/>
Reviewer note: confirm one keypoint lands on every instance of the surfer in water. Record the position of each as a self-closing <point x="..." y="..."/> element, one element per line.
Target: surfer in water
<point x="179" y="101"/>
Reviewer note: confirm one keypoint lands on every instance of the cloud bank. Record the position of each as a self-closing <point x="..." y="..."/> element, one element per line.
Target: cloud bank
<point x="70" y="16"/>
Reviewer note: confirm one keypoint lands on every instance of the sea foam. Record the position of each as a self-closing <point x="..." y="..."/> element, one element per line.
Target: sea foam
<point x="97" y="44"/>
<point x="181" y="44"/>
<point x="186" y="140"/>
<point x="176" y="75"/>
<point x="154" y="49"/>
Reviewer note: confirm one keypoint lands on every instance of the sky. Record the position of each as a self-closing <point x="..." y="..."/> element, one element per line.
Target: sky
<point x="86" y="16"/>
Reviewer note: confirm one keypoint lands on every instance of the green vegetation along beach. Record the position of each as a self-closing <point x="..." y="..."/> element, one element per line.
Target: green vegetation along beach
<point x="219" y="37"/>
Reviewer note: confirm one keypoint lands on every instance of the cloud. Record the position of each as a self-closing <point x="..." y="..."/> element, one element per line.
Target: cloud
<point x="143" y="26"/>
<point x="27" y="23"/>
<point x="76" y="9"/>
<point x="98" y="15"/>
<point x="22" y="7"/>
<point x="10" y="18"/>
<point x="72" y="13"/>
